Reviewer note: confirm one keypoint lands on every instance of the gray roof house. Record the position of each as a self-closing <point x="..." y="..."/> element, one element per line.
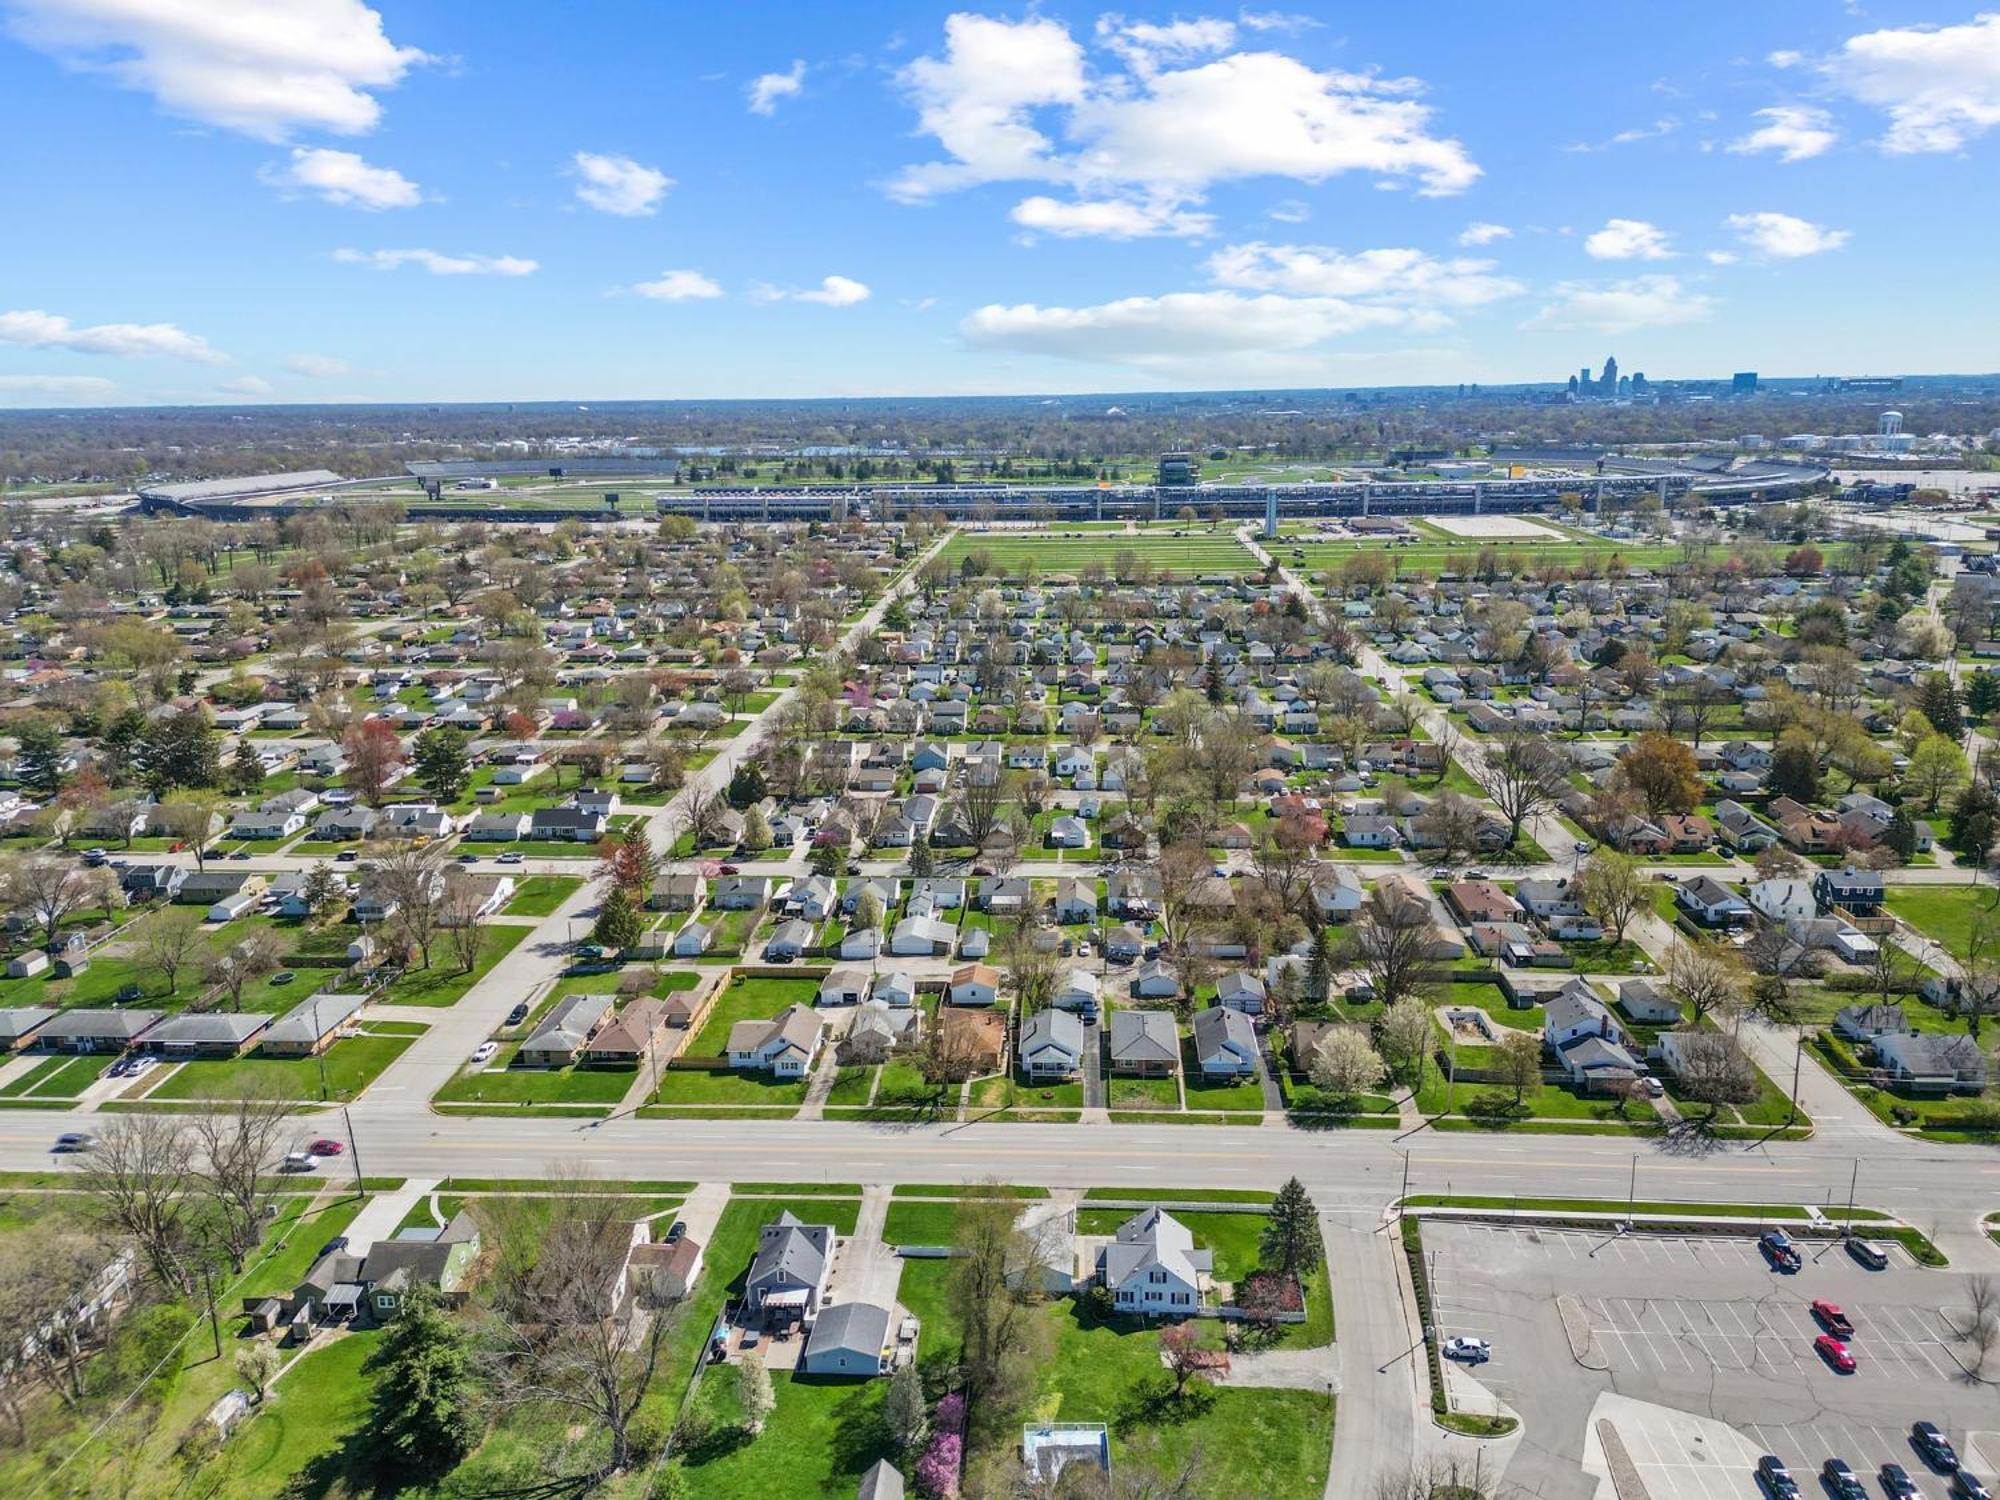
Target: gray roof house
<point x="1225" y="1043"/>
<point x="1052" y="1044"/>
<point x="1152" y="1266"/>
<point x="851" y="1338"/>
<point x="1144" y="1042"/>
<point x="790" y="1268"/>
<point x="883" y="1481"/>
<point x="18" y="1022"/>
<point x="212" y="1033"/>
<point x="310" y="1025"/>
<point x="565" y="1030"/>
<point x="94" y="1030"/>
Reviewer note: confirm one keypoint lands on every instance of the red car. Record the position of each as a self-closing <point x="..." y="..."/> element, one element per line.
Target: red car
<point x="1829" y="1316"/>
<point x="1835" y="1353"/>
<point x="325" y="1147"/>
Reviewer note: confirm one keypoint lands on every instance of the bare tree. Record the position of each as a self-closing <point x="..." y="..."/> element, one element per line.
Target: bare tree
<point x="170" y="944"/>
<point x="459" y="914"/>
<point x="1183" y="870"/>
<point x="241" y="965"/>
<point x="51" y="1274"/>
<point x="1391" y="941"/>
<point x="1612" y="890"/>
<point x="1980" y="1296"/>
<point x="558" y="1334"/>
<point x="238" y="1148"/>
<point x="1524" y="776"/>
<point x="1711" y="1069"/>
<point x="140" y="1183"/>
<point x="980" y="807"/>
<point x="52" y="890"/>
<point x="410" y="876"/>
<point x="1704" y="979"/>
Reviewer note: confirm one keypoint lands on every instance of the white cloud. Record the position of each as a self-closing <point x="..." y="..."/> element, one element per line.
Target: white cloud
<point x="1479" y="232"/>
<point x="1621" y="306"/>
<point x="1290" y="211"/>
<point x="318" y="366"/>
<point x="57" y="387"/>
<point x="1018" y="101"/>
<point x="439" y="264"/>
<point x="1940" y="85"/>
<point x="344" y="179"/>
<point x="1108" y="218"/>
<point x="619" y="185"/>
<point x="1783" y="237"/>
<point x="1628" y="239"/>
<point x="42" y="330"/>
<point x="1405" y="277"/>
<point x="679" y="286"/>
<point x="1785" y="57"/>
<point x="246" y="385"/>
<point x="1182" y="332"/>
<point x="835" y="291"/>
<point x="1795" y="132"/>
<point x="263" y="69"/>
<point x="766" y="89"/>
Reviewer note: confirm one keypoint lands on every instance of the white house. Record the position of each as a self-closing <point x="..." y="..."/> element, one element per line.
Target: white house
<point x="1152" y="1266"/>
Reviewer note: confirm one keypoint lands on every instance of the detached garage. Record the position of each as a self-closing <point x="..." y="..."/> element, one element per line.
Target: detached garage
<point x="851" y="1338"/>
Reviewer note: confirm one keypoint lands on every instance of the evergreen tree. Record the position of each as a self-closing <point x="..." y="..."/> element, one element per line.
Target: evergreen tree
<point x="1291" y="1234"/>
<point x="441" y="763"/>
<point x="41" y="756"/>
<point x="618" y="925"/>
<point x="424" y="1417"/>
<point x="180" y="749"/>
<point x="1975" y="821"/>
<point x="246" y="770"/>
<point x="747" y="785"/>
<point x="639" y="862"/>
<point x="1938" y="698"/>
<point x="1901" y="835"/>
<point x="1319" y="969"/>
<point x="1795" y="773"/>
<point x="826" y="859"/>
<point x="1982" y="694"/>
<point x="923" y="859"/>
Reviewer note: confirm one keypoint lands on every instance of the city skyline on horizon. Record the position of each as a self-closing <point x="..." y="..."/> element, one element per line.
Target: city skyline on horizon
<point x="1061" y="202"/>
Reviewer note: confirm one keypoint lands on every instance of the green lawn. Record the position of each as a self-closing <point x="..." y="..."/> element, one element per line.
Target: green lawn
<point x="352" y="1063"/>
<point x="1055" y="551"/>
<point x="1230" y="1094"/>
<point x="61" y="1077"/>
<point x="97" y="985"/>
<point x="314" y="1419"/>
<point x="1143" y="1093"/>
<point x="1944" y="913"/>
<point x="571" y="1085"/>
<point x="700" y="1087"/>
<point x="540" y="895"/>
<point x="748" y="999"/>
<point x="444" y="983"/>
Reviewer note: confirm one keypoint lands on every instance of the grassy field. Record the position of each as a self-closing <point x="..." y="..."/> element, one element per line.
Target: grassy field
<point x="539" y="895"/>
<point x="352" y="1063"/>
<point x="444" y="983"/>
<point x="1944" y="913"/>
<point x="1427" y="559"/>
<point x="1197" y="551"/>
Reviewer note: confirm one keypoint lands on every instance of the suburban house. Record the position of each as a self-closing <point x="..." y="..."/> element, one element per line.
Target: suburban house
<point x="785" y="1046"/>
<point x="1588" y="1044"/>
<point x="623" y="1041"/>
<point x="1864" y="1023"/>
<point x="1645" y="1002"/>
<point x="1052" y="1044"/>
<point x="974" y="984"/>
<point x="788" y="1274"/>
<point x="1152" y="1266"/>
<point x="977" y="1036"/>
<point x="93" y="1030"/>
<point x="310" y="1026"/>
<point x="1240" y="989"/>
<point x="206" y="1034"/>
<point x="1931" y="1063"/>
<point x="851" y="1338"/>
<point x="844" y="985"/>
<point x="1144" y="1043"/>
<point x="565" y="1031"/>
<point x="1859" y="892"/>
<point x="1711" y="903"/>
<point x="1225" y="1043"/>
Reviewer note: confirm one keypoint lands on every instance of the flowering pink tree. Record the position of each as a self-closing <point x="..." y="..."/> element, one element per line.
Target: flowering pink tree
<point x="938" y="1469"/>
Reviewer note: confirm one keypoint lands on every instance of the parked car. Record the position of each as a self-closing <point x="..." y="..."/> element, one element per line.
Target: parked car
<point x="240" y="854"/>
<point x="751" y="1339"/>
<point x="590" y="950"/>
<point x="1841" y="1480"/>
<point x="1870" y="1254"/>
<point x="1653" y="1087"/>
<point x="518" y="1014"/>
<point x="1471" y="1350"/>
<point x="1933" y="1447"/>
<point x="144" y="1063"/>
<point x="728" y="870"/>
<point x="677" y="1232"/>
<point x="484" y="1051"/>
<point x="346" y="857"/>
<point x="127" y="993"/>
<point x="1965" y="1487"/>
<point x="1835" y="1353"/>
<point x="1779" y="1250"/>
<point x="1829" y="1316"/>
<point x="1776" y="1479"/>
<point x="338" y="1242"/>
<point x="96" y="857"/>
<point x="468" y="859"/>
<point x="1896" y="1482"/>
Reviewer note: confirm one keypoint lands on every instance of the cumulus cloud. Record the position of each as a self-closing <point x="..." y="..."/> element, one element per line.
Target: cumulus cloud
<point x="1621" y="306"/>
<point x="344" y="179"/>
<point x="1628" y="239"/>
<point x="1479" y="232"/>
<point x="318" y="366"/>
<point x="619" y="185"/>
<point x="835" y="291"/>
<point x="1795" y="132"/>
<point x="1939" y="85"/>
<point x="678" y="286"/>
<point x="1108" y="218"/>
<point x="766" y="89"/>
<point x="1397" y="276"/>
<point x="264" y="70"/>
<point x="246" y="385"/>
<point x="34" y="329"/>
<point x="439" y="264"/>
<point x="57" y="387"/>
<point x="1173" y="114"/>
<point x="1784" y="237"/>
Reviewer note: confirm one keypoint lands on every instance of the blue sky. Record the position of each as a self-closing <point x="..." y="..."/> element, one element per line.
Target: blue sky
<point x="219" y="200"/>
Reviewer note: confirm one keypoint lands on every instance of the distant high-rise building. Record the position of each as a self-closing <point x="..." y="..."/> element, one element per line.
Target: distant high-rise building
<point x="1609" y="380"/>
<point x="1640" y="385"/>
<point x="1743" y="383"/>
<point x="1574" y="389"/>
<point x="1583" y="380"/>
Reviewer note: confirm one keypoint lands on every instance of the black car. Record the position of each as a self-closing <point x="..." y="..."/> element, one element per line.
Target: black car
<point x="1841" y="1481"/>
<point x="518" y="1014"/>
<point x="127" y="993"/>
<point x="1965" y="1487"/>
<point x="338" y="1242"/>
<point x="675" y="1234"/>
<point x="1896" y="1482"/>
<point x="1933" y="1447"/>
<point x="1776" y="1478"/>
<point x="346" y="857"/>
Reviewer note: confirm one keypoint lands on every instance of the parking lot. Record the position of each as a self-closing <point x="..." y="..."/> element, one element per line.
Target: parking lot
<point x="1700" y="1325"/>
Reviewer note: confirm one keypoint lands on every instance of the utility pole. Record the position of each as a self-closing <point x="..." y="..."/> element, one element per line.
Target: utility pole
<point x="208" y="1295"/>
<point x="354" y="1152"/>
<point x="319" y="1048"/>
<point x="1853" y="1179"/>
<point x="1798" y="1059"/>
<point x="1632" y="1193"/>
